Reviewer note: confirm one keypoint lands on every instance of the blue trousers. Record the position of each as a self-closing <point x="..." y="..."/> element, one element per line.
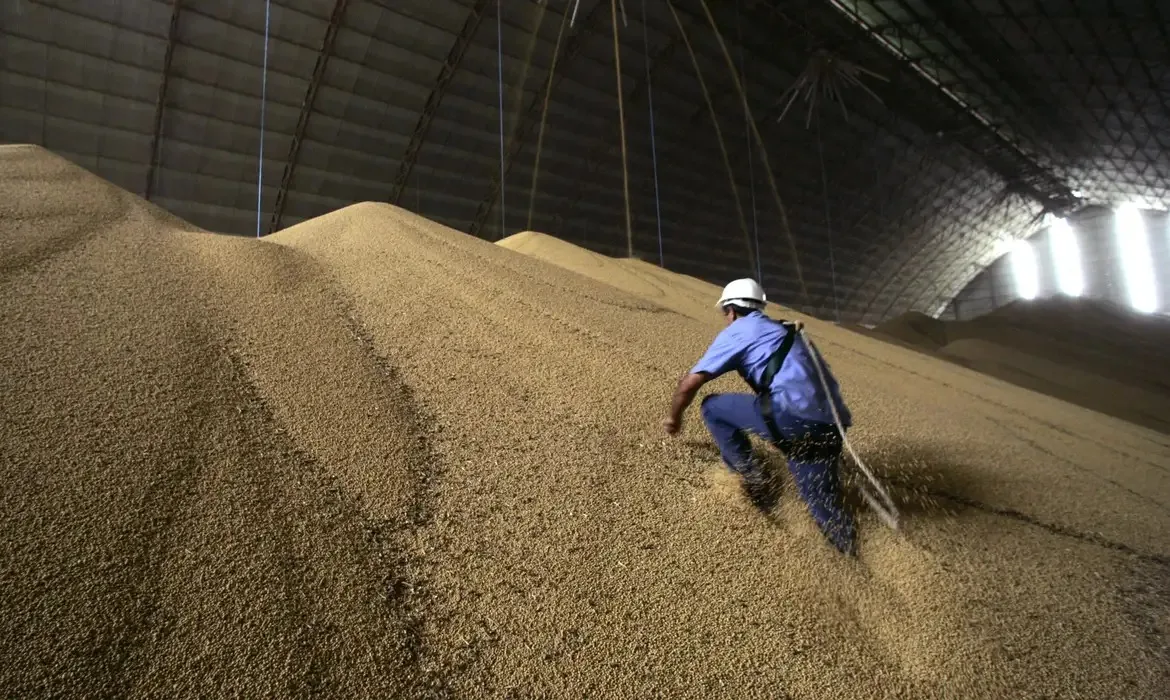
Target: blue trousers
<point x="812" y="450"/>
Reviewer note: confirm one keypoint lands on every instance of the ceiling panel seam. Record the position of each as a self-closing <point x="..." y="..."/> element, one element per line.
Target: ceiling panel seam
<point x="98" y="20"/>
<point x="897" y="280"/>
<point x="929" y="276"/>
<point x="911" y="216"/>
<point x="1013" y="127"/>
<point x="446" y="74"/>
<point x="209" y="116"/>
<point x="56" y="86"/>
<point x="48" y="44"/>
<point x="294" y="150"/>
<point x="1125" y="83"/>
<point x="525" y="124"/>
<point x="178" y="74"/>
<point x="179" y="142"/>
<point x="953" y="279"/>
<point x="1055" y="192"/>
<point x="160" y="103"/>
<point x="230" y="92"/>
<point x="1092" y="135"/>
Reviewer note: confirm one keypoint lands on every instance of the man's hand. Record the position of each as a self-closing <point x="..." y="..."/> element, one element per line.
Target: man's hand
<point x="684" y="393"/>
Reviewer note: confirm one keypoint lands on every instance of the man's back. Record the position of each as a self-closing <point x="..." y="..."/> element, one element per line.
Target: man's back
<point x="801" y="423"/>
<point x="748" y="343"/>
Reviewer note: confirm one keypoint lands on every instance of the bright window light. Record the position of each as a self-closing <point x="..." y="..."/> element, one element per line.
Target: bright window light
<point x="1024" y="269"/>
<point x="1136" y="259"/>
<point x="1066" y="258"/>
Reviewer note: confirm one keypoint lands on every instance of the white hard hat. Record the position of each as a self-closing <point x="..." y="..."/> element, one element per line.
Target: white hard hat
<point x="743" y="292"/>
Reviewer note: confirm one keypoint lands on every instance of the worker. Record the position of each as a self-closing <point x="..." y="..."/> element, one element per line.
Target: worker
<point x="790" y="407"/>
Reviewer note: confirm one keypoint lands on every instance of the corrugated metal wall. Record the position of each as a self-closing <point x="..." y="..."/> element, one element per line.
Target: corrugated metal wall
<point x="1101" y="258"/>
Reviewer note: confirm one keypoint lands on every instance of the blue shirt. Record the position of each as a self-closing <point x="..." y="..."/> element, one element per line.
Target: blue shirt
<point x="746" y="345"/>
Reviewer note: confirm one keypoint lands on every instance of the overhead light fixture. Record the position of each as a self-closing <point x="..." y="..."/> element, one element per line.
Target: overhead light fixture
<point x="1134" y="246"/>
<point x="1066" y="258"/>
<point x="1024" y="269"/>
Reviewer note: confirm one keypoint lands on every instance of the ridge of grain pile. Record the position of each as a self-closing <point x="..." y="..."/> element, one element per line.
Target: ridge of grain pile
<point x="372" y="456"/>
<point x="915" y="329"/>
<point x="176" y="519"/>
<point x="1084" y="351"/>
<point x="680" y="293"/>
<point x="1084" y="334"/>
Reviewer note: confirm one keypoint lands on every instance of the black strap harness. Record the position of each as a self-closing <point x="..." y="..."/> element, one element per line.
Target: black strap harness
<point x="764" y="390"/>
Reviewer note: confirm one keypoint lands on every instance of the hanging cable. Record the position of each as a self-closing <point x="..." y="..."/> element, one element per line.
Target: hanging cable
<point x="751" y="152"/>
<point x="653" y="145"/>
<point x="747" y="237"/>
<point x="828" y="220"/>
<point x="617" y="61"/>
<point x="517" y="98"/>
<point x="885" y="509"/>
<point x="763" y="152"/>
<point x="544" y="118"/>
<point x="500" y="64"/>
<point x="263" y="103"/>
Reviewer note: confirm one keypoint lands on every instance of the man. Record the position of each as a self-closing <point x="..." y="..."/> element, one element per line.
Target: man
<point x="790" y="408"/>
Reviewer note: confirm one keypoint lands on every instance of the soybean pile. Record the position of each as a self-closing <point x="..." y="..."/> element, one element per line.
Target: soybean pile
<point x="371" y="456"/>
<point x="1085" y="351"/>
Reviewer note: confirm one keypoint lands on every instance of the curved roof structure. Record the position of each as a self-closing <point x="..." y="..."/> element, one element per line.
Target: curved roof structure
<point x="904" y="141"/>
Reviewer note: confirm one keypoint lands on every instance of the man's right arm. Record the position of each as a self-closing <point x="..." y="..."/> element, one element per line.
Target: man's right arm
<point x="684" y="394"/>
<point x="720" y="358"/>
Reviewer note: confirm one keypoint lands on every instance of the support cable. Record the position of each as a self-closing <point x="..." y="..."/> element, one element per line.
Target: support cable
<point x="762" y="148"/>
<point x="617" y="60"/>
<point x="747" y="128"/>
<point x="653" y="145"/>
<point x="828" y="220"/>
<point x="500" y="62"/>
<point x="544" y="118"/>
<point x="718" y="134"/>
<point x="263" y="104"/>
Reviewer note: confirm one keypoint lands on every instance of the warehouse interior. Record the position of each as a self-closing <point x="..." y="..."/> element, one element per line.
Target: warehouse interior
<point x="337" y="338"/>
<point x="957" y="128"/>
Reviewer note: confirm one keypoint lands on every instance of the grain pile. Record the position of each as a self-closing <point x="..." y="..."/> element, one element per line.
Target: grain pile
<point x="682" y="294"/>
<point x="375" y="457"/>
<point x="1084" y="351"/>
<point x="179" y="517"/>
<point x="916" y="329"/>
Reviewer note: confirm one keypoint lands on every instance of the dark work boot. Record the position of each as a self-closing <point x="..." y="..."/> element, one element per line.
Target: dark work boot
<point x="758" y="489"/>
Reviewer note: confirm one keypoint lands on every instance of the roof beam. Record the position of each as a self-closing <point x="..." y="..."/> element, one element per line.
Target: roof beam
<point x="1031" y="94"/>
<point x="294" y="149"/>
<point x="160" y="102"/>
<point x="446" y="73"/>
<point x="528" y="119"/>
<point x="1003" y="156"/>
<point x="604" y="146"/>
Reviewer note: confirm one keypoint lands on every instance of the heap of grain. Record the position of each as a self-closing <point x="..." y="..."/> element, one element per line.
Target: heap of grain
<point x="182" y="514"/>
<point x="1084" y="351"/>
<point x="680" y="293"/>
<point x="372" y="455"/>
<point x="916" y="330"/>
